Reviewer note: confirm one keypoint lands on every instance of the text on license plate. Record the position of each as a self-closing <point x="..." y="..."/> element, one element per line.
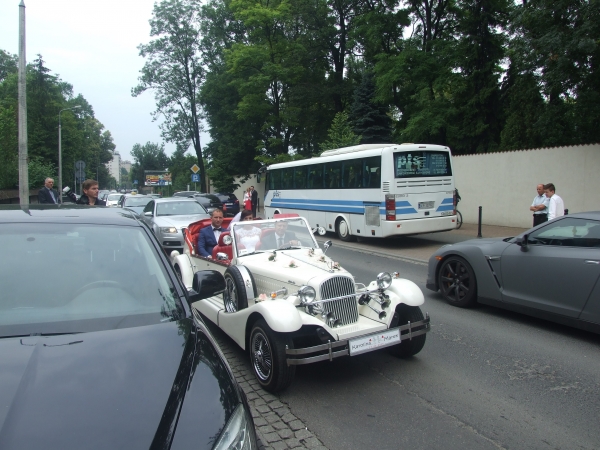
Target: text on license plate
<point x="374" y="341"/>
<point x="425" y="205"/>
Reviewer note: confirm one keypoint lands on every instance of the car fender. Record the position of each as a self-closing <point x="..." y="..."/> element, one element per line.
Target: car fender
<point x="407" y="292"/>
<point x="184" y="263"/>
<point x="281" y="316"/>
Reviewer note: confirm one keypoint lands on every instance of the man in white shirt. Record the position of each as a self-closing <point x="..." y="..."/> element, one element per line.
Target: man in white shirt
<point x="540" y="206"/>
<point x="556" y="206"/>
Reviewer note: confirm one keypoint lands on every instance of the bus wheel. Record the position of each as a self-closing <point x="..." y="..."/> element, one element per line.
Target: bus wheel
<point x="343" y="230"/>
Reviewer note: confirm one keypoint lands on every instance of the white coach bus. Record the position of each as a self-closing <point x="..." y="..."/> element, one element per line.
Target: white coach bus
<point x="367" y="190"/>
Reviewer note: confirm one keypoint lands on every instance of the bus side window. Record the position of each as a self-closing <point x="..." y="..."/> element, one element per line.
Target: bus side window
<point x="287" y="178"/>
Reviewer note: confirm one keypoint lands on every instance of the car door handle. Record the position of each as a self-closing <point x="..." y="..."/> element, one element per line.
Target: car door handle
<point x="589" y="261"/>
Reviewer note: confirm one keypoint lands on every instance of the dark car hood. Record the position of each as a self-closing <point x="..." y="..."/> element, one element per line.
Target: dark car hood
<point x="111" y="389"/>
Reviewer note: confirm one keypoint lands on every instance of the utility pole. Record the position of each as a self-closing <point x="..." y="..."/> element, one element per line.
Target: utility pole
<point x="23" y="157"/>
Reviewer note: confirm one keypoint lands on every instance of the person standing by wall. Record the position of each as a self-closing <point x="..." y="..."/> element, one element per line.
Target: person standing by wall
<point x="254" y="200"/>
<point x="247" y="200"/>
<point x="47" y="195"/>
<point x="540" y="206"/>
<point x="556" y="206"/>
<point x="90" y="194"/>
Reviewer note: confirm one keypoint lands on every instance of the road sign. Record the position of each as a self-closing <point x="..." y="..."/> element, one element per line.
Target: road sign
<point x="79" y="165"/>
<point x="195" y="168"/>
<point x="135" y="182"/>
<point x="196" y="178"/>
<point x="80" y="174"/>
<point x="161" y="182"/>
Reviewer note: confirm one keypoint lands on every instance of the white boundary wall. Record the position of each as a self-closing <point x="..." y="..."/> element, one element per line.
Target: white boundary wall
<point x="504" y="183"/>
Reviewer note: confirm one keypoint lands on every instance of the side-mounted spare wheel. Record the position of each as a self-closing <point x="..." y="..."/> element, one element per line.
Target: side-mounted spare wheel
<point x="239" y="288"/>
<point x="402" y="316"/>
<point x="268" y="359"/>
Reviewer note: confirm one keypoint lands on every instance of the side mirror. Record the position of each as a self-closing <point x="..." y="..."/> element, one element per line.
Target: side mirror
<point x="206" y="283"/>
<point x="148" y="213"/>
<point x="522" y="241"/>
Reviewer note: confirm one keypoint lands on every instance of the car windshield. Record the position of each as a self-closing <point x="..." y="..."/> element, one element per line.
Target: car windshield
<point x="114" y="197"/>
<point x="87" y="278"/>
<point x="269" y="235"/>
<point x="179" y="208"/>
<point x="137" y="201"/>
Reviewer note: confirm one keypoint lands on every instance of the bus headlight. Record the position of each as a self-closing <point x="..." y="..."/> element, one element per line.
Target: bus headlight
<point x="384" y="280"/>
<point x="307" y="294"/>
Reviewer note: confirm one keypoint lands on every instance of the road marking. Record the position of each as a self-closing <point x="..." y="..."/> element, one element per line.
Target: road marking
<point x="418" y="262"/>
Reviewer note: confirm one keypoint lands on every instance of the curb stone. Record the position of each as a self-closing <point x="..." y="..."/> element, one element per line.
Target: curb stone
<point x="276" y="427"/>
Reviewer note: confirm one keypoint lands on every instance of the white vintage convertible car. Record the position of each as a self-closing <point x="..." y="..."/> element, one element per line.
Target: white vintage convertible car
<point x="288" y="303"/>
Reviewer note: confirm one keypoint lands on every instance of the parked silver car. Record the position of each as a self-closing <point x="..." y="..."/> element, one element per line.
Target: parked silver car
<point x="551" y="271"/>
<point x="167" y="216"/>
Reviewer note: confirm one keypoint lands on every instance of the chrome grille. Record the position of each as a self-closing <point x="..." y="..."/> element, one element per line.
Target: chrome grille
<point x="346" y="309"/>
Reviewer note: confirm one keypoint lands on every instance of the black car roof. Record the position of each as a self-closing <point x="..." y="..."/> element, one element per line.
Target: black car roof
<point x="67" y="214"/>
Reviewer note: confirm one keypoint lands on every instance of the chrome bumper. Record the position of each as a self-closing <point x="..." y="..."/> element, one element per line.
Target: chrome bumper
<point x="324" y="352"/>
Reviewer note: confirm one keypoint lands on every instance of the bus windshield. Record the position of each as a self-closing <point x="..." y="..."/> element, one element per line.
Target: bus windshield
<point x="422" y="164"/>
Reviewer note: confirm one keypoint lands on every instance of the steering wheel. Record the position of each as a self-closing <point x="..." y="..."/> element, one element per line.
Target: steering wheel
<point x="97" y="284"/>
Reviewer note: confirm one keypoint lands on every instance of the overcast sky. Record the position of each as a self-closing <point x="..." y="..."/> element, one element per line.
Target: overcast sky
<point x="93" y="46"/>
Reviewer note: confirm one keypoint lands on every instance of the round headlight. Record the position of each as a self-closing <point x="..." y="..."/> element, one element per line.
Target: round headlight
<point x="307" y="294"/>
<point x="227" y="240"/>
<point x="384" y="280"/>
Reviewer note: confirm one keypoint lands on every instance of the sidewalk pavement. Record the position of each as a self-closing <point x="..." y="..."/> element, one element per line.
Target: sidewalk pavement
<point x="276" y="427"/>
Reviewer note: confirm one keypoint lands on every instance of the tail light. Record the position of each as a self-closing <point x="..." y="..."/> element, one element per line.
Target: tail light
<point x="390" y="207"/>
<point x="237" y="202"/>
<point x="224" y="207"/>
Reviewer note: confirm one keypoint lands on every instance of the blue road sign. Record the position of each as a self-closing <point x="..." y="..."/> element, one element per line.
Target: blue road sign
<point x="135" y="182"/>
<point x="196" y="178"/>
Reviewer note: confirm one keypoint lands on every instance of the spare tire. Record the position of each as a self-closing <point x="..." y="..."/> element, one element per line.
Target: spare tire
<point x="239" y="288"/>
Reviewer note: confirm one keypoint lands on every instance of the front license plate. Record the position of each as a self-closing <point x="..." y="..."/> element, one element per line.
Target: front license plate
<point x="425" y="205"/>
<point x="374" y="341"/>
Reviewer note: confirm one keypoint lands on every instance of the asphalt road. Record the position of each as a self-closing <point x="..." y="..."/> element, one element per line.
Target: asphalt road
<point x="486" y="379"/>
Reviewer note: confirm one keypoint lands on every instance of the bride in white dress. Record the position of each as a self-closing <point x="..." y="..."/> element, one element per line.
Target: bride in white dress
<point x="248" y="235"/>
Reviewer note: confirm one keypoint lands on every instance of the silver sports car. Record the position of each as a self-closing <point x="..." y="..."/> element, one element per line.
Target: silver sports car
<point x="551" y="271"/>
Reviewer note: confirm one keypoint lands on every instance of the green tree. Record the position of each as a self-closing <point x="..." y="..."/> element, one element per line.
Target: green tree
<point x="174" y="72"/>
<point x="340" y="133"/>
<point x="369" y="119"/>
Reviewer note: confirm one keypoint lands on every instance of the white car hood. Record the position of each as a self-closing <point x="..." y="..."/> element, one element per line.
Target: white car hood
<point x="179" y="221"/>
<point x="295" y="266"/>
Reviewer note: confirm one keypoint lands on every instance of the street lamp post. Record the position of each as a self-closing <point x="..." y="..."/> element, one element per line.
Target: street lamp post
<point x="60" y="185"/>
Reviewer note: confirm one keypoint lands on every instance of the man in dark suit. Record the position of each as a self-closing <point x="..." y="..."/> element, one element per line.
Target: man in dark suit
<point x="253" y="200"/>
<point x="48" y="195"/>
<point x="281" y="237"/>
<point x="209" y="236"/>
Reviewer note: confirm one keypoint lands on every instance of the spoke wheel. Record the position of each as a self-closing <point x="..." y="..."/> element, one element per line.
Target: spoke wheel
<point x="343" y="230"/>
<point x="457" y="282"/>
<point x="458" y="219"/>
<point x="268" y="359"/>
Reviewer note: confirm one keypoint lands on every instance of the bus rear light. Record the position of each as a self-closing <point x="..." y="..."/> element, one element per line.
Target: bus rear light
<point x="390" y="207"/>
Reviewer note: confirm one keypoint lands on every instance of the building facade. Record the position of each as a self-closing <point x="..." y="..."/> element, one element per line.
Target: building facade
<point x="114" y="167"/>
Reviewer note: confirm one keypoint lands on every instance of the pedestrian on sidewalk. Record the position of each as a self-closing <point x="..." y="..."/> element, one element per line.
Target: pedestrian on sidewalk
<point x="253" y="200"/>
<point x="540" y="206"/>
<point x="556" y="206"/>
<point x="47" y="195"/>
